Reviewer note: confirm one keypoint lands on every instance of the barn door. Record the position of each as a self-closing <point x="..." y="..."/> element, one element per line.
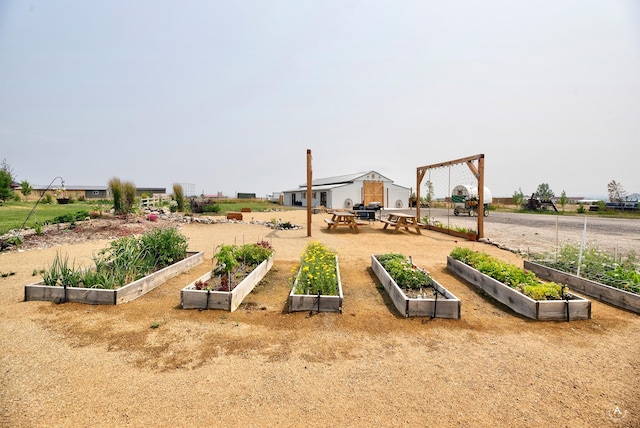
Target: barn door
<point x="373" y="191"/>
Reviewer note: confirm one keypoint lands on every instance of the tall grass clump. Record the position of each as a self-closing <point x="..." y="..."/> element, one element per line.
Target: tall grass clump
<point x="178" y="195"/>
<point x="115" y="187"/>
<point x="318" y="271"/>
<point x="129" y="191"/>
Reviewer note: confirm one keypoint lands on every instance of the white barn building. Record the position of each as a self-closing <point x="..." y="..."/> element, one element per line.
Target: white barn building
<point x="346" y="190"/>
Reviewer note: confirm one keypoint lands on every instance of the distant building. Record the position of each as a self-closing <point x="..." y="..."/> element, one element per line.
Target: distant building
<point x="346" y="190"/>
<point x="93" y="192"/>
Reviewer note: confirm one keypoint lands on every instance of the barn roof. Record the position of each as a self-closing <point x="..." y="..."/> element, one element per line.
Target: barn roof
<point x="341" y="179"/>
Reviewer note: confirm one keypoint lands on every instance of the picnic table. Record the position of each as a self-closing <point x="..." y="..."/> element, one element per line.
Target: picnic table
<point x="344" y="218"/>
<point x="398" y="220"/>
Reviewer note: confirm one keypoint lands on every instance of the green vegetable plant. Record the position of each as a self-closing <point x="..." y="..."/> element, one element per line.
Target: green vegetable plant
<point x="621" y="271"/>
<point x="404" y="272"/>
<point x="517" y="278"/>
<point x="232" y="262"/>
<point x="318" y="271"/>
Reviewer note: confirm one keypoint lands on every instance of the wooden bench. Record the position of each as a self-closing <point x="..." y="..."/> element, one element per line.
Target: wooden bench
<point x="234" y="216"/>
<point x="390" y="223"/>
<point x="329" y="222"/>
<point x="245" y="210"/>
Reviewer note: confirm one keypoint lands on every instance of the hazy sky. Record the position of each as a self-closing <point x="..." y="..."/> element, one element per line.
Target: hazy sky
<point x="229" y="95"/>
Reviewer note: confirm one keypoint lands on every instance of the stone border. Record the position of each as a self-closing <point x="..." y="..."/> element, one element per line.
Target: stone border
<point x="190" y="298"/>
<point x="444" y="307"/>
<point x="124" y="294"/>
<point x="606" y="293"/>
<point x="576" y="308"/>
<point x="317" y="303"/>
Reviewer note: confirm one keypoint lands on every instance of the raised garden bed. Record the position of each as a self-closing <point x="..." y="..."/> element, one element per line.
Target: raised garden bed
<point x="96" y="296"/>
<point x="606" y="293"/>
<point x="571" y="308"/>
<point x="441" y="303"/>
<point x="192" y="298"/>
<point x="317" y="286"/>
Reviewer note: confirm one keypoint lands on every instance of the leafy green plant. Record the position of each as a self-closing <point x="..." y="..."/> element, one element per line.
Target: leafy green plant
<point x="519" y="279"/>
<point x="127" y="259"/>
<point x="318" y="271"/>
<point x="404" y="272"/>
<point x="621" y="271"/>
<point x="232" y="262"/>
<point x="61" y="273"/>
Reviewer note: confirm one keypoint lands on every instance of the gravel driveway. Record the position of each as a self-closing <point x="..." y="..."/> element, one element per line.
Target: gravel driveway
<point x="536" y="233"/>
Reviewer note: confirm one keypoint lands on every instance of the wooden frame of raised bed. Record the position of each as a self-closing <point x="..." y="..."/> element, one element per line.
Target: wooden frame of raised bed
<point x="124" y="294"/>
<point x="576" y="308"/>
<point x="316" y="303"/>
<point x="446" y="307"/>
<point x="190" y="298"/>
<point x="606" y="293"/>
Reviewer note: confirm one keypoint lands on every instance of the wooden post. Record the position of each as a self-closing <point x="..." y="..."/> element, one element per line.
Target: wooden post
<point x="309" y="193"/>
<point x="481" y="196"/>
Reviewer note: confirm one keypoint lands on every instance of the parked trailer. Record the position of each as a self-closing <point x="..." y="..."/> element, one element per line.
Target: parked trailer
<point x="465" y="199"/>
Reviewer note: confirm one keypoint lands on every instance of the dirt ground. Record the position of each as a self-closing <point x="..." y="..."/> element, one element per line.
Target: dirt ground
<point x="72" y="365"/>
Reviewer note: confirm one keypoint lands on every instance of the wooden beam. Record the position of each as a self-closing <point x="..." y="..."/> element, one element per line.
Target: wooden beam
<point x="309" y="193"/>
<point x="461" y="160"/>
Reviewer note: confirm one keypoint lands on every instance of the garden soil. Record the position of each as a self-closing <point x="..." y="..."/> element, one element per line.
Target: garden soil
<point x="151" y="363"/>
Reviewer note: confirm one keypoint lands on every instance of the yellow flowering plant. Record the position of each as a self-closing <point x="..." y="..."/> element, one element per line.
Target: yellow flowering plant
<point x="318" y="271"/>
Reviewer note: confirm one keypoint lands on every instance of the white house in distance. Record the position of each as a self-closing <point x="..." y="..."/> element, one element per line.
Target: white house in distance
<point x="346" y="190"/>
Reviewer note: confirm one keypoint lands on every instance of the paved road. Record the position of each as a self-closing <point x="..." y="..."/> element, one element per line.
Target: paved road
<point x="540" y="232"/>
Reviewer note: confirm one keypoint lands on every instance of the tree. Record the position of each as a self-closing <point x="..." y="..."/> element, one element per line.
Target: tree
<point x="616" y="192"/>
<point x="25" y="188"/>
<point x="544" y="192"/>
<point x="563" y="199"/>
<point x="6" y="178"/>
<point x="429" y="185"/>
<point x="518" y="198"/>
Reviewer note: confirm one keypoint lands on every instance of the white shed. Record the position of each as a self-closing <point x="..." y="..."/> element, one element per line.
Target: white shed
<point x="346" y="190"/>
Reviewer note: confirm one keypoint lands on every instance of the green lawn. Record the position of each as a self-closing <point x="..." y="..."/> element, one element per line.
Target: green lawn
<point x="13" y="214"/>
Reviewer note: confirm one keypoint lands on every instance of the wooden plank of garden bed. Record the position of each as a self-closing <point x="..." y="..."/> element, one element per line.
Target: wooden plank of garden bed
<point x="307" y="302"/>
<point x="92" y="296"/>
<point x="395" y="294"/>
<point x="554" y="310"/>
<point x="248" y="284"/>
<point x="606" y="293"/>
<point x="144" y="285"/>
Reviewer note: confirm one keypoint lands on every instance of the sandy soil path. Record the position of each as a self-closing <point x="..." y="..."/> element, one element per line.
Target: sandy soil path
<point x="75" y="365"/>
